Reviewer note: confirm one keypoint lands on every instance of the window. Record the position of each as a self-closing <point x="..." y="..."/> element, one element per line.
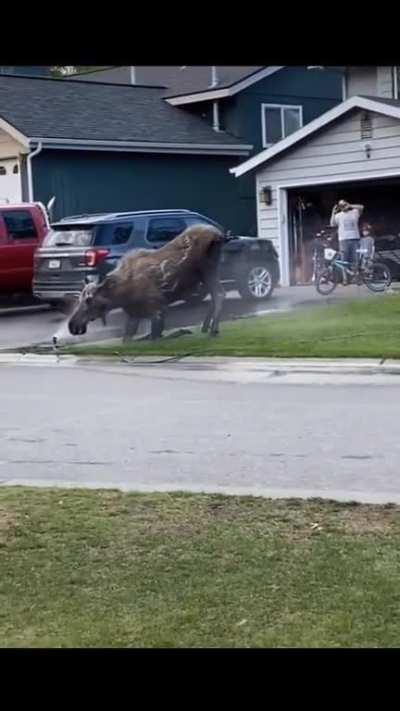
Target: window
<point x="163" y="229"/>
<point x="69" y="237"/>
<point x="15" y="169"/>
<point x="114" y="233"/>
<point x="3" y="170"/>
<point x="19" y="224"/>
<point x="190" y="221"/>
<point x="279" y="121"/>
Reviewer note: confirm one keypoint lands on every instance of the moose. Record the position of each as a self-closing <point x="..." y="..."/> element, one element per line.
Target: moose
<point x="145" y="282"/>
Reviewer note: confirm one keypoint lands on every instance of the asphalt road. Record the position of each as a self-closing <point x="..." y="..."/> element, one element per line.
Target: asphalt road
<point x="24" y="327"/>
<point x="167" y="427"/>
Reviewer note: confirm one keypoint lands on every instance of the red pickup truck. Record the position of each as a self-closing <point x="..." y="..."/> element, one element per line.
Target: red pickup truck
<point x="22" y="230"/>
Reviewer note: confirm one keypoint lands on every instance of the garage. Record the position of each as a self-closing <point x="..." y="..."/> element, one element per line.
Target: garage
<point x="11" y="155"/>
<point x="351" y="152"/>
<point x="10" y="181"/>
<point x="309" y="211"/>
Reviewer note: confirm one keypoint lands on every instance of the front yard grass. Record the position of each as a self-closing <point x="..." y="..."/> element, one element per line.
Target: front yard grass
<point x="367" y="328"/>
<point x="104" y="569"/>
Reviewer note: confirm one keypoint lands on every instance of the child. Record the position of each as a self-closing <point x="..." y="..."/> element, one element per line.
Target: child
<point x="367" y="246"/>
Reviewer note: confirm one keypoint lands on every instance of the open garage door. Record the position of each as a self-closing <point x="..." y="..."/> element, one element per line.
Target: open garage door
<point x="309" y="211"/>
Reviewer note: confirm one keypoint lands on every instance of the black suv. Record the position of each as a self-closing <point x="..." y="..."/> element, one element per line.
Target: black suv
<point x="86" y="247"/>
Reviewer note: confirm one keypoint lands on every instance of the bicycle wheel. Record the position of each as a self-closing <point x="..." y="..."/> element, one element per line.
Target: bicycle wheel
<point x="326" y="282"/>
<point x="377" y="277"/>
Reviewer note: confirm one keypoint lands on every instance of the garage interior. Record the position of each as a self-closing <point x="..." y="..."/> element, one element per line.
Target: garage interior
<point x="310" y="211"/>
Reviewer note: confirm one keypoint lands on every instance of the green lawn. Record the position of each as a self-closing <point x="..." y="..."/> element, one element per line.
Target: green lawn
<point x="364" y="328"/>
<point x="102" y="568"/>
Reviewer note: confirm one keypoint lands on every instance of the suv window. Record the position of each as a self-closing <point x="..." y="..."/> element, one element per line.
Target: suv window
<point x="114" y="233"/>
<point x="203" y="221"/>
<point x="20" y="224"/>
<point x="163" y="229"/>
<point x="69" y="237"/>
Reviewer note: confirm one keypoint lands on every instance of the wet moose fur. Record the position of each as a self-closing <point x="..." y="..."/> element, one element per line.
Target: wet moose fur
<point x="145" y="282"/>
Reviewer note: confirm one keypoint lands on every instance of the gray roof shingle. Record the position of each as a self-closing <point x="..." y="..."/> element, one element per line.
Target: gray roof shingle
<point x="53" y="108"/>
<point x="177" y="80"/>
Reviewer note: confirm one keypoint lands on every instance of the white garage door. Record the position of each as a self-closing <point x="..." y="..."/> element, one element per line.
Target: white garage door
<point x="10" y="181"/>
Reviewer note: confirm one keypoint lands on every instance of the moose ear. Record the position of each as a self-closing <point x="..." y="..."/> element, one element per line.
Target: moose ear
<point x="106" y="286"/>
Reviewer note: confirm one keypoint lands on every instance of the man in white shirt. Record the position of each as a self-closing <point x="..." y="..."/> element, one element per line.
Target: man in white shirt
<point x="346" y="218"/>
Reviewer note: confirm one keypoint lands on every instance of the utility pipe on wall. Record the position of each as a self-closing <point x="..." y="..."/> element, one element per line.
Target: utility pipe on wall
<point x="29" y="168"/>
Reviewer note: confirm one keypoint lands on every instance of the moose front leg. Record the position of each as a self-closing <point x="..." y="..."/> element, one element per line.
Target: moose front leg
<point x="131" y="327"/>
<point x="157" y="325"/>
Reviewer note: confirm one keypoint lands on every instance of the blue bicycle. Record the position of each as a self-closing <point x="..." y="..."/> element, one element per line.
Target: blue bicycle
<point x="375" y="275"/>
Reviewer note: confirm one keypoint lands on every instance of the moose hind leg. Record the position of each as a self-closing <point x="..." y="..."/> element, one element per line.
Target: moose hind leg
<point x="218" y="301"/>
<point x="211" y="321"/>
<point x="208" y="317"/>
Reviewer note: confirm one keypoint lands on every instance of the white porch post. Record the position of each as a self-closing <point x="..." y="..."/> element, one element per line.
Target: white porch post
<point x="283" y="221"/>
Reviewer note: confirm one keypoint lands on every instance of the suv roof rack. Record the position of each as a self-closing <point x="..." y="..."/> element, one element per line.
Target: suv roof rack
<point x="97" y="215"/>
<point x="83" y="214"/>
<point x="147" y="212"/>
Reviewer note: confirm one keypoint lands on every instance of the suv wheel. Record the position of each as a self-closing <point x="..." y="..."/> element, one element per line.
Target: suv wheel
<point x="255" y="283"/>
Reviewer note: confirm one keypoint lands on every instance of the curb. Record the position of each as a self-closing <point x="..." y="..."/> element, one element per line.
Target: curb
<point x="217" y="363"/>
<point x="342" y="495"/>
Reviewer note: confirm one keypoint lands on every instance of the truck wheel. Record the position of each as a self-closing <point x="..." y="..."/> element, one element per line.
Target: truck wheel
<point x="256" y="283"/>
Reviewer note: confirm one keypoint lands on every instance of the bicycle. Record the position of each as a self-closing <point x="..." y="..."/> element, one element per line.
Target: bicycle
<point x="322" y="240"/>
<point x="375" y="275"/>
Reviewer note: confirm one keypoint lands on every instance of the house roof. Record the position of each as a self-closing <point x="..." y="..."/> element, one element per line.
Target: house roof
<point x="222" y="89"/>
<point x="186" y="85"/>
<point x="389" y="107"/>
<point x="63" y="112"/>
<point x="178" y="80"/>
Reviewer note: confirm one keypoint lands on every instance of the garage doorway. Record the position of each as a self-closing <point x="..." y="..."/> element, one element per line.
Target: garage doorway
<point x="309" y="211"/>
<point x="10" y="181"/>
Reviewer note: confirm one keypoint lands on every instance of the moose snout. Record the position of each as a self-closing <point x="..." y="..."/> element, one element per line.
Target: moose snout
<point x="76" y="329"/>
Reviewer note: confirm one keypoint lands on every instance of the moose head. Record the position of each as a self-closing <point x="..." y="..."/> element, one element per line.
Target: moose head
<point x="94" y="302"/>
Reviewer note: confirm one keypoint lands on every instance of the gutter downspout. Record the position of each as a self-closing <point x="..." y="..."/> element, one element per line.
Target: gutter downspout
<point x="344" y="86"/>
<point x="132" y="73"/>
<point x="29" y="167"/>
<point x="216" y="116"/>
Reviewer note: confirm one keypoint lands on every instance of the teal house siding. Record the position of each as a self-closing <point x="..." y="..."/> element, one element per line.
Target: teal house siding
<point x="101" y="181"/>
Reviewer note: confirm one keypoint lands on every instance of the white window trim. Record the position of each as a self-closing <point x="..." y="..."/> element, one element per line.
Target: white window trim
<point x="277" y="106"/>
